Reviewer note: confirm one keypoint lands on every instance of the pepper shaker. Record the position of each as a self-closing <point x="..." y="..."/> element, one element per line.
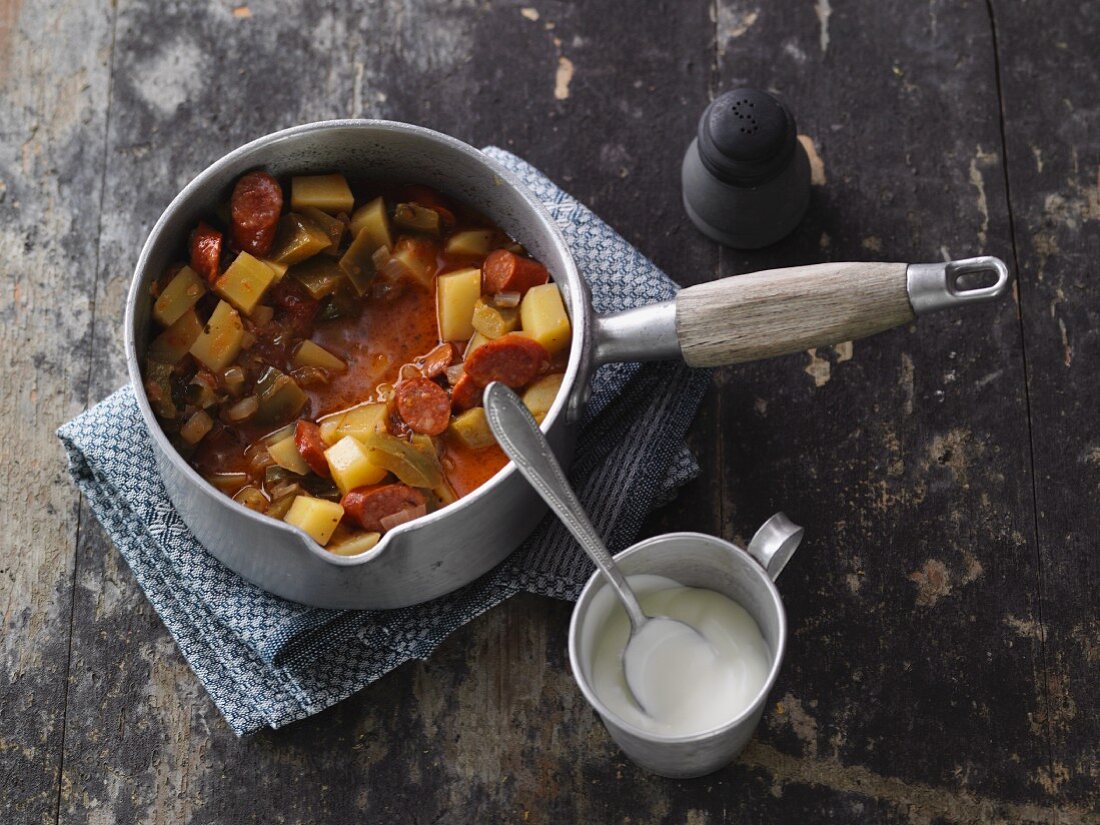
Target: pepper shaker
<point x="746" y="176"/>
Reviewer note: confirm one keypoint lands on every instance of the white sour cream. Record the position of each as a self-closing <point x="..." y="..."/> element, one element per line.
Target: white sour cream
<point x="689" y="688"/>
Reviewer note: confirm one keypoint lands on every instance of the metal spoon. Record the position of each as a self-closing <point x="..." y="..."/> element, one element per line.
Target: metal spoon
<point x="522" y="441"/>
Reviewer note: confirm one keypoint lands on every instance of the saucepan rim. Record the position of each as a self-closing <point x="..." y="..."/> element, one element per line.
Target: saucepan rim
<point x="578" y="305"/>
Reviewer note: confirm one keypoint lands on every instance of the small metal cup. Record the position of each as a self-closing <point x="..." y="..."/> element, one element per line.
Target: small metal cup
<point x="694" y="560"/>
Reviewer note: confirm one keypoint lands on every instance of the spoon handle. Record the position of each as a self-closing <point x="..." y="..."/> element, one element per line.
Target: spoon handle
<point x="523" y="442"/>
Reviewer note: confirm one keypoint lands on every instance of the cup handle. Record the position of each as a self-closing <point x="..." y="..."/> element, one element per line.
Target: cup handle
<point x="775" y="543"/>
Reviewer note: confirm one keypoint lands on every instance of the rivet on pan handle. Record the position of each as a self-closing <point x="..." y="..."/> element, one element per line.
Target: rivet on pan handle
<point x="938" y="286"/>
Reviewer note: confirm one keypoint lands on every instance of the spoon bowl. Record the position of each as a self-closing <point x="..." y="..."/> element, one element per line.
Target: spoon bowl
<point x="656" y="642"/>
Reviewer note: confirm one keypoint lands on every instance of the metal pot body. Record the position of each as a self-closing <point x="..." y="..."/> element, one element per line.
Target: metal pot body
<point x="444" y="550"/>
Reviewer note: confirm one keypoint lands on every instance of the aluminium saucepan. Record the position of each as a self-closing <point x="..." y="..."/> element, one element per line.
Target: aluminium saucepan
<point x="722" y="322"/>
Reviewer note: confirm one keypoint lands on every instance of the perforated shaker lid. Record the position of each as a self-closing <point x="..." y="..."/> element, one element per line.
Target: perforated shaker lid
<point x="746" y="136"/>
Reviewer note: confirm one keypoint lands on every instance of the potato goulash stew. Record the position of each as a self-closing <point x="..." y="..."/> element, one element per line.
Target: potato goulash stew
<point x="322" y="361"/>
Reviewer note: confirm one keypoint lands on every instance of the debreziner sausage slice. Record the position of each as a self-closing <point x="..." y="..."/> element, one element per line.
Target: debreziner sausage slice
<point x="423" y="405"/>
<point x="505" y="271"/>
<point x="512" y="359"/>
<point x="254" y="208"/>
<point x="206" y="251"/>
<point x="307" y="438"/>
<point x="369" y="505"/>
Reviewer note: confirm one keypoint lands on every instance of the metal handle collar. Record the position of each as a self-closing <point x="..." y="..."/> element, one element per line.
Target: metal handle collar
<point x="939" y="286"/>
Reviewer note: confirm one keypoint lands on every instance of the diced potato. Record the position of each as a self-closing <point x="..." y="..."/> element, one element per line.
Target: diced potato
<point x="333" y="226"/>
<point x="296" y="239"/>
<point x="354" y="544"/>
<point x="286" y="455"/>
<point x="359" y="422"/>
<point x="328" y="427"/>
<point x="542" y="317"/>
<point x="174" y="343"/>
<point x="417" y="218"/>
<point x="472" y="242"/>
<point x="372" y="220"/>
<point x="365" y="419"/>
<point x="245" y="282"/>
<point x="309" y="354"/>
<point x="472" y="429"/>
<point x="317" y="517"/>
<point x="351" y="465"/>
<point x="329" y="193"/>
<point x="456" y="294"/>
<point x="358" y="261"/>
<point x="320" y="276"/>
<point x="477" y="341"/>
<point x="279" y="269"/>
<point x="493" y="322"/>
<point x="541" y="394"/>
<point x="220" y="340"/>
<point x="182" y="293"/>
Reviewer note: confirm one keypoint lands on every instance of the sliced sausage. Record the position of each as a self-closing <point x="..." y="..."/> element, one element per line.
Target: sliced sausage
<point x="206" y="251"/>
<point x="307" y="438"/>
<point x="436" y="362"/>
<point x="505" y="271"/>
<point x="512" y="359"/>
<point x="367" y="506"/>
<point x="254" y="207"/>
<point x="295" y="309"/>
<point x="424" y="405"/>
<point x="466" y="394"/>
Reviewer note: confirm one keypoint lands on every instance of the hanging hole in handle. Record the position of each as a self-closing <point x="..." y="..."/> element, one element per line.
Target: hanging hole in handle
<point x="971" y="279"/>
<point x="976" y="278"/>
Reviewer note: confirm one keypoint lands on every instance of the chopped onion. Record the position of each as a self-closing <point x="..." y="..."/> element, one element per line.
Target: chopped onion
<point x="399" y="518"/>
<point x="310" y="376"/>
<point x="507" y="300"/>
<point x="279" y="434"/>
<point x="455" y="373"/>
<point x="384" y="392"/>
<point x="380" y="256"/>
<point x="204" y="378"/>
<point x="408" y="371"/>
<point x="233" y="378"/>
<point x="196" y="428"/>
<point x="243" y="409"/>
<point x="285" y="489"/>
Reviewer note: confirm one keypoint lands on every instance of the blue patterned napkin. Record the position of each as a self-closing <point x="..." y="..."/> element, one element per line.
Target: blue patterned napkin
<point x="266" y="661"/>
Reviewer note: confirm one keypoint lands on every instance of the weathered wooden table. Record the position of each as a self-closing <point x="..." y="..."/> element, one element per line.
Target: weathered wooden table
<point x="945" y="648"/>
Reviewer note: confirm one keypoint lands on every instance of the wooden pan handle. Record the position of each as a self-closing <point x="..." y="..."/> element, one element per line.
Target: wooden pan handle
<point x="780" y="311"/>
